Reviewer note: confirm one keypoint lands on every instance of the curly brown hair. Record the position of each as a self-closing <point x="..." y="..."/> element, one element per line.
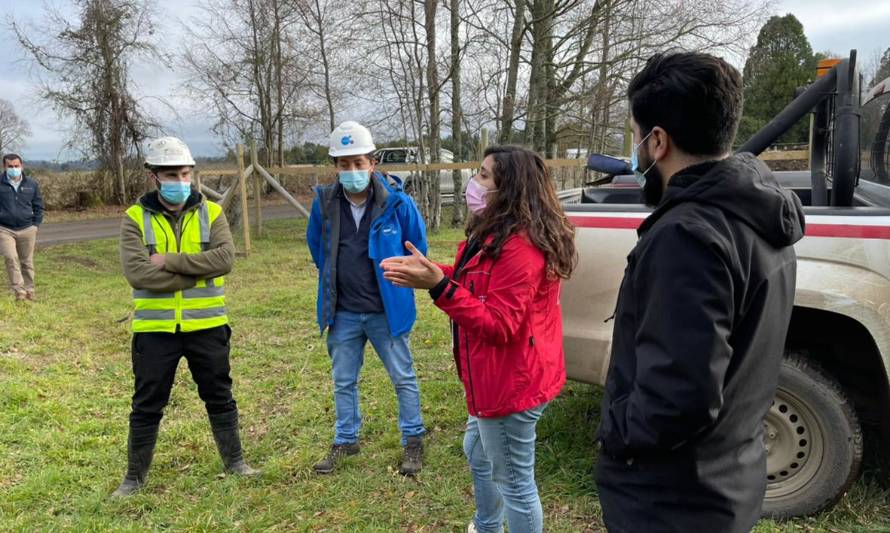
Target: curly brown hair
<point x="526" y="202"/>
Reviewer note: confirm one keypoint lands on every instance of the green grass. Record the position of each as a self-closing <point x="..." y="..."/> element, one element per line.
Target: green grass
<point x="66" y="382"/>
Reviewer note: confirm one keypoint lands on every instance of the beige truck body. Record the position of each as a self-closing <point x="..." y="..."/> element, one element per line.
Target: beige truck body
<point x="833" y="379"/>
<point x="838" y="271"/>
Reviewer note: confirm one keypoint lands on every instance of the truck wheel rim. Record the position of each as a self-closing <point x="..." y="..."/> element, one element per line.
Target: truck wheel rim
<point x="794" y="445"/>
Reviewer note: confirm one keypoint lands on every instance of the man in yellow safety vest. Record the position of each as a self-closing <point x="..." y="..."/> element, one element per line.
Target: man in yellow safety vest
<point x="175" y="249"/>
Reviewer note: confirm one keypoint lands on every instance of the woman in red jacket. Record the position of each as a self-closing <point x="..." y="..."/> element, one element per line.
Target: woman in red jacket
<point x="502" y="296"/>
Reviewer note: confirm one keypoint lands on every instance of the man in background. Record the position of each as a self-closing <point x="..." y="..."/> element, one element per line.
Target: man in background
<point x="21" y="212"/>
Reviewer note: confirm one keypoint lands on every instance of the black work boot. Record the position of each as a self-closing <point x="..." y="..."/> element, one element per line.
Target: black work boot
<point x="412" y="462"/>
<point x="140" y="449"/>
<point x="225" y="433"/>
<point x="326" y="465"/>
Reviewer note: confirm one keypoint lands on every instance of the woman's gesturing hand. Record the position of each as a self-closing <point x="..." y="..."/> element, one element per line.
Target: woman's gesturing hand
<point x="414" y="271"/>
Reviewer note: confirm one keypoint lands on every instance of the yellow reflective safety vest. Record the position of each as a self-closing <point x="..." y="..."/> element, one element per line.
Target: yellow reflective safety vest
<point x="201" y="307"/>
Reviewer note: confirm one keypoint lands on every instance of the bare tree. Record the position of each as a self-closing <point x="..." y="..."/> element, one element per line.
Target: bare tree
<point x="406" y="54"/>
<point x="542" y="61"/>
<point x="13" y="129"/>
<point x="320" y="18"/>
<point x="245" y="66"/>
<point x="86" y="68"/>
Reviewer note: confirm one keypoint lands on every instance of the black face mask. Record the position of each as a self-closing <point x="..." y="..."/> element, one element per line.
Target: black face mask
<point x="653" y="190"/>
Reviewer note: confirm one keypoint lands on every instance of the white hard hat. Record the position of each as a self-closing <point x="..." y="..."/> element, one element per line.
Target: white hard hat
<point x="350" y="138"/>
<point x="168" y="152"/>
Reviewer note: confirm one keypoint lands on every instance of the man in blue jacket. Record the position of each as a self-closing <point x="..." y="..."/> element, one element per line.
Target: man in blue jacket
<point x="21" y="211"/>
<point x="355" y="223"/>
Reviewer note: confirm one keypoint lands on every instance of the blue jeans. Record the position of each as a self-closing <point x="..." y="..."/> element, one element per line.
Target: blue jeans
<point x="346" y="346"/>
<point x="501" y="453"/>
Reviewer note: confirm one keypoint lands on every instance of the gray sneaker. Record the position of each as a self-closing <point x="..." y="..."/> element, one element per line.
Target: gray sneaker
<point x="412" y="462"/>
<point x="326" y="465"/>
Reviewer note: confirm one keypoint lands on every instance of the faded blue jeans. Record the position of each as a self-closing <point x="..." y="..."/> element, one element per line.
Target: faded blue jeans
<point x="346" y="346"/>
<point x="501" y="453"/>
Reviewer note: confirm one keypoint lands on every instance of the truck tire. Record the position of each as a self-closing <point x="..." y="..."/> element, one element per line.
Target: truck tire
<point x="813" y="440"/>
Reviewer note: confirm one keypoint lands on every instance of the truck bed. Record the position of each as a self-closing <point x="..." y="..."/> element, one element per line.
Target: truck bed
<point x="840" y="243"/>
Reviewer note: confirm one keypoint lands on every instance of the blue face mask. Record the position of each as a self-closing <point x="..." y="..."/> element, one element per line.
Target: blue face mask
<point x="640" y="175"/>
<point x="14" y="173"/>
<point x="354" y="181"/>
<point x="176" y="192"/>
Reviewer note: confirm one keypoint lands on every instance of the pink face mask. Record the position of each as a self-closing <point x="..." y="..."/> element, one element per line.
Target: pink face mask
<point x="476" y="196"/>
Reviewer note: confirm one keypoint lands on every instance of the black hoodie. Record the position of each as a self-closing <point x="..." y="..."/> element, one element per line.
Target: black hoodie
<point x="699" y="335"/>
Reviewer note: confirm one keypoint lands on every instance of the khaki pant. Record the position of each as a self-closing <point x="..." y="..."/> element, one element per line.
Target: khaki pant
<point x="17" y="249"/>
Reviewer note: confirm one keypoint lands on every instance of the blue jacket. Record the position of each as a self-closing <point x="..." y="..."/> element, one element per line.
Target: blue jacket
<point x="22" y="209"/>
<point x="394" y="220"/>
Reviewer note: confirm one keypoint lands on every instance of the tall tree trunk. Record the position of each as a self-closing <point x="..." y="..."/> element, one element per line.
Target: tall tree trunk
<point x="279" y="84"/>
<point x="535" y="77"/>
<point x="422" y="179"/>
<point x="551" y="99"/>
<point x="457" y="204"/>
<point x="325" y="65"/>
<point x="509" y="108"/>
<point x="115" y="124"/>
<point x="432" y="72"/>
<point x="594" y="117"/>
<point x="539" y="89"/>
<point x="604" y="93"/>
<point x="121" y="178"/>
<point x="262" y="76"/>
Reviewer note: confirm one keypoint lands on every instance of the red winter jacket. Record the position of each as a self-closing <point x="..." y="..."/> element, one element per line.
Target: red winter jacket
<point x="509" y="329"/>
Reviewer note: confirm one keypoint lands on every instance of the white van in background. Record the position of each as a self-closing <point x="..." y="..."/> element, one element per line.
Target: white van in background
<point x="402" y="155"/>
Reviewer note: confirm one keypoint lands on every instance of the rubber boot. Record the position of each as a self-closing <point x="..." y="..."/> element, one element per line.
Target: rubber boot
<point x="140" y="449"/>
<point x="225" y="433"/>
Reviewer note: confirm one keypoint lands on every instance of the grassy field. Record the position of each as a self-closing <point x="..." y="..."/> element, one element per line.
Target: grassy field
<point x="65" y="386"/>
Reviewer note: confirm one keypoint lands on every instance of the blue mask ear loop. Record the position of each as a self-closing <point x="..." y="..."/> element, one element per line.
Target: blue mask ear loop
<point x="638" y="147"/>
<point x="639" y="175"/>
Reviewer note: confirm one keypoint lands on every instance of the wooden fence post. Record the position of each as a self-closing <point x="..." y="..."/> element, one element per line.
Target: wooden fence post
<point x="242" y="183"/>
<point x="258" y="190"/>
<point x="282" y="191"/>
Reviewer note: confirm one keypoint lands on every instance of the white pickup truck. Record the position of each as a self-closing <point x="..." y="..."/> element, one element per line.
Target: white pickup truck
<point x="402" y="155"/>
<point x="834" y="379"/>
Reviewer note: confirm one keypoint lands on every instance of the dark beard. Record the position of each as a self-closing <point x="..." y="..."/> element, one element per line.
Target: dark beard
<point x="653" y="189"/>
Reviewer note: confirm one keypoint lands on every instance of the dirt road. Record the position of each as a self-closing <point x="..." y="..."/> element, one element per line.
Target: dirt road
<point x="88" y="230"/>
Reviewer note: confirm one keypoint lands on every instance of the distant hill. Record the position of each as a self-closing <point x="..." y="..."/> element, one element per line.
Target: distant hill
<point x="68" y="166"/>
<point x="56" y="166"/>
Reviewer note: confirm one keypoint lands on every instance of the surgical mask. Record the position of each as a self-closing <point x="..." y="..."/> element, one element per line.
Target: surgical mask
<point x="176" y="192"/>
<point x="640" y="175"/>
<point x="476" y="196"/>
<point x="14" y="173"/>
<point x="354" y="181"/>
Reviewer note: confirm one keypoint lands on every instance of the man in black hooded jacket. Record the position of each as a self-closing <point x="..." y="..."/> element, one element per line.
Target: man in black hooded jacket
<point x="702" y="312"/>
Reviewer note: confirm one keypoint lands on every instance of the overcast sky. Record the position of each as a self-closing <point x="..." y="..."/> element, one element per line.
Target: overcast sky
<point x="860" y="24"/>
